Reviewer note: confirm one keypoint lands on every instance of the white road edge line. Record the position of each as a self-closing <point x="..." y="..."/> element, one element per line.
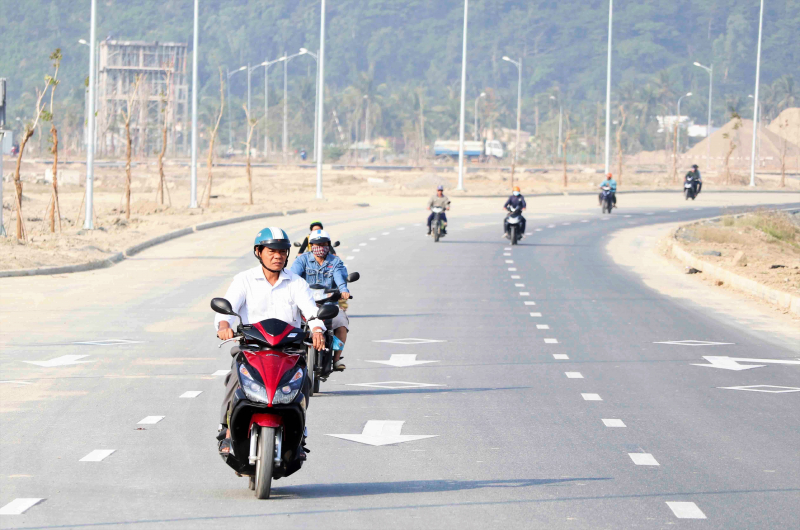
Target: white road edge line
<point x="98" y="455"/>
<point x="19" y="506"/>
<point x="613" y="423"/>
<point x="591" y="397"/>
<point x="220" y="372"/>
<point x="150" y="420"/>
<point x="643" y="459"/>
<point x="560" y="356"/>
<point x="686" y="510"/>
<point x="574" y="375"/>
<point x="191" y="394"/>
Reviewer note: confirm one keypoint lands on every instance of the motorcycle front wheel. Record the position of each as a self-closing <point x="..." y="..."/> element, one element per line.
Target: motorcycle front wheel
<point x="436" y="228"/>
<point x="513" y="235"/>
<point x="265" y="455"/>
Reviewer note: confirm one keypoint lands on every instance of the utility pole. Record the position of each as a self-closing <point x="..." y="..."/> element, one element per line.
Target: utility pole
<point x="460" y="186"/>
<point x="755" y="106"/>
<point x="88" y="222"/>
<point x="321" y="97"/>
<point x="608" y="87"/>
<point x="710" y="71"/>
<point x="193" y="185"/>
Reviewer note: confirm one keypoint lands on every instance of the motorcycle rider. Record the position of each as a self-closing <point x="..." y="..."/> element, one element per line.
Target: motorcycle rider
<point x="611" y="183"/>
<point x="515" y="200"/>
<point x="440" y="201"/>
<point x="697" y="179"/>
<point x="321" y="267"/>
<point x="265" y="291"/>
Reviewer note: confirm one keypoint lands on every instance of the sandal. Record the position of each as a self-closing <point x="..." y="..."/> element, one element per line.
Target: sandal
<point x="339" y="366"/>
<point x="225" y="446"/>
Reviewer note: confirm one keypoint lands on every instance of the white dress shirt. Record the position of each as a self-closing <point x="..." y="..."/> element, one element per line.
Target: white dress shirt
<point x="254" y="299"/>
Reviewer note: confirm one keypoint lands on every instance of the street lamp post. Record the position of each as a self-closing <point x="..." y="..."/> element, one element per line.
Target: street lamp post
<point x="678" y="139"/>
<point x="250" y="71"/>
<point x="304" y="51"/>
<point x="366" y="120"/>
<point x="755" y="107"/>
<point x="320" y="98"/>
<point x="286" y="60"/>
<point x="560" y="116"/>
<point x="266" y="65"/>
<point x="475" y="134"/>
<point x="460" y="186"/>
<point x="193" y="180"/>
<point x="710" y="71"/>
<point x="761" y="119"/>
<point x="228" y="87"/>
<point x="88" y="222"/>
<point x="518" y="64"/>
<point x="608" y="88"/>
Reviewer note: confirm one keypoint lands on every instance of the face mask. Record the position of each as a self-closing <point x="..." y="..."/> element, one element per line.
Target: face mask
<point x="516" y="194"/>
<point x="319" y="251"/>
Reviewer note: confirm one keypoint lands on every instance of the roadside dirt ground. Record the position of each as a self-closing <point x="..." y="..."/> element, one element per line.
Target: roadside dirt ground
<point x="274" y="189"/>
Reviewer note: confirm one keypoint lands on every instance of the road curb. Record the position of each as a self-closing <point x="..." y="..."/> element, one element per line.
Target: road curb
<point x="136" y="249"/>
<point x="781" y="299"/>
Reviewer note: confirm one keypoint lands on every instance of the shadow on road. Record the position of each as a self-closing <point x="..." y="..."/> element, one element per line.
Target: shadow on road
<point x="392" y="316"/>
<point x="367" y="391"/>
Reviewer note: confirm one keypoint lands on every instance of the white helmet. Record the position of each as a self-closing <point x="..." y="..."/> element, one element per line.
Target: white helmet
<point x="318" y="237"/>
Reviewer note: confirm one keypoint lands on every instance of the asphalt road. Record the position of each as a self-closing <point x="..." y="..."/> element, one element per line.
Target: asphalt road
<point x="551" y="398"/>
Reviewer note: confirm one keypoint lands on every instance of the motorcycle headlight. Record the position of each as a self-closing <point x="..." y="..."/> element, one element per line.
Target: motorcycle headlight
<point x="287" y="392"/>
<point x="254" y="390"/>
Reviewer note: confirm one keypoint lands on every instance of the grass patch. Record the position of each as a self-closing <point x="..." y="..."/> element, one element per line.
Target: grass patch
<point x="776" y="224"/>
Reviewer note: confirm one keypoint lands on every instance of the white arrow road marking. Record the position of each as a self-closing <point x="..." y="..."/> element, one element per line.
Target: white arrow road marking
<point x="109" y="342"/>
<point x="643" y="459"/>
<point x="694" y="343"/>
<point x="150" y="420"/>
<point x="393" y="385"/>
<point x="560" y="356"/>
<point x="409" y="341"/>
<point x="220" y="372"/>
<point x="401" y="360"/>
<point x="64" y="360"/>
<point x="769" y="389"/>
<point x="382" y="432"/>
<point x="591" y="397"/>
<point x="191" y="394"/>
<point x="613" y="423"/>
<point x="726" y="363"/>
<point x="574" y="375"/>
<point x="686" y="510"/>
<point x="19" y="506"/>
<point x="16" y="382"/>
<point x="98" y="455"/>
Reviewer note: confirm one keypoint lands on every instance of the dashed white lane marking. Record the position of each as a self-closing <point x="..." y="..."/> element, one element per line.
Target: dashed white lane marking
<point x="356" y="250"/>
<point x="686" y="510"/>
<point x="566" y="224"/>
<point x="643" y="459"/>
<point x="220" y="372"/>
<point x="373" y="239"/>
<point x="574" y="375"/>
<point x="402" y="228"/>
<point x="512" y="269"/>
<point x="191" y="394"/>
<point x="514" y="277"/>
<point x="20" y="383"/>
<point x="19" y="506"/>
<point x="536" y="315"/>
<point x="519" y="285"/>
<point x="362" y="244"/>
<point x="530" y="303"/>
<point x="538" y="229"/>
<point x="524" y="293"/>
<point x="551" y="341"/>
<point x="613" y="423"/>
<point x="98" y="455"/>
<point x="626" y="216"/>
<point x="541" y="326"/>
<point x="150" y="420"/>
<point x="509" y="261"/>
<point x="551" y="226"/>
<point x="527" y="233"/>
<point x="385" y="233"/>
<point x="560" y="356"/>
<point x="673" y="211"/>
<point x="506" y="253"/>
<point x="604" y="219"/>
<point x="584" y="220"/>
<point x="591" y="397"/>
<point x="402" y="360"/>
<point x="650" y="213"/>
<point x="506" y="248"/>
<point x="696" y="209"/>
<point x="350" y="257"/>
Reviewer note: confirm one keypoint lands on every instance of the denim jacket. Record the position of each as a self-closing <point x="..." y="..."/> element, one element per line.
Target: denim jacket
<point x="332" y="273"/>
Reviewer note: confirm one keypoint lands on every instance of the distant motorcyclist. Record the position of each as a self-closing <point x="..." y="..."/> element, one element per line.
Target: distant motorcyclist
<point x="697" y="180"/>
<point x="516" y="200"/>
<point x="315" y="225"/>
<point x="611" y="183"/>
<point x="440" y="201"/>
<point x="321" y="267"/>
<point x="266" y="291"/>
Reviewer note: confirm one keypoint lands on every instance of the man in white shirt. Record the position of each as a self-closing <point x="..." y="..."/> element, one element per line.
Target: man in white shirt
<point x="266" y="291"/>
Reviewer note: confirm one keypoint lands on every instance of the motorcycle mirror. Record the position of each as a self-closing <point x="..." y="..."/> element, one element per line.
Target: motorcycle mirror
<point x="336" y="244"/>
<point x="353" y="277"/>
<point x="316" y="286"/>
<point x="297" y="243"/>
<point x="221" y="305"/>
<point x="328" y="311"/>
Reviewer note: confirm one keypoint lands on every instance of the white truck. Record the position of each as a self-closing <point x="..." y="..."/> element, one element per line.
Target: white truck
<point x="472" y="149"/>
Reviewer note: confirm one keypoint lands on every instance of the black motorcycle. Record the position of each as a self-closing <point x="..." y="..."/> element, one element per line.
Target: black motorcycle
<point x="268" y="411"/>
<point x="320" y="362"/>
<point x="606" y="199"/>
<point x="513" y="224"/>
<point x="437" y="225"/>
<point x="689" y="187"/>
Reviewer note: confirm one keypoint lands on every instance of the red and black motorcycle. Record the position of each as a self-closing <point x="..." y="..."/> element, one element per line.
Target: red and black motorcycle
<point x="268" y="412"/>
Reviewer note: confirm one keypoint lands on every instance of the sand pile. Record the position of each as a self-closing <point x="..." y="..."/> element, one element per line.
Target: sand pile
<point x="787" y="125"/>
<point x="769" y="145"/>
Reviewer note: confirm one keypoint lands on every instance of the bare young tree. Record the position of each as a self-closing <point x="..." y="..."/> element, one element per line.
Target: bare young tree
<point x="620" y="154"/>
<point x="206" y="195"/>
<point x="783" y="125"/>
<point x="30" y="128"/>
<point x="564" y="143"/>
<point x="731" y="145"/>
<point x="54" y="208"/>
<point x="165" y="99"/>
<point x="251" y="123"/>
<point x="127" y="113"/>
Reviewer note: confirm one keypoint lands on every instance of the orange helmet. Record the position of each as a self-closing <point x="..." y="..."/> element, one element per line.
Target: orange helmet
<point x="609" y="175"/>
<point x="516" y="188"/>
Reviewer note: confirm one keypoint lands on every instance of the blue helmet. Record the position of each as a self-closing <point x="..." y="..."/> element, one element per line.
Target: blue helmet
<point x="272" y="237"/>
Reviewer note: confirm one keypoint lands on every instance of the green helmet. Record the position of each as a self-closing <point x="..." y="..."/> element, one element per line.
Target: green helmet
<point x="272" y="237"/>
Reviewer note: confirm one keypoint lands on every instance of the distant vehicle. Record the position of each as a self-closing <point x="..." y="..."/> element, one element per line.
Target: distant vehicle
<point x="472" y="149"/>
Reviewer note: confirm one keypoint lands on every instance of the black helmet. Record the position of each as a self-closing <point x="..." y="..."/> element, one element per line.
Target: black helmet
<point x="695" y="166"/>
<point x="313" y="224"/>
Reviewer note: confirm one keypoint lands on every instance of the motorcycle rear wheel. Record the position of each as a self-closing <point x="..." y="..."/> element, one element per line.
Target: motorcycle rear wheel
<point x="310" y="365"/>
<point x="316" y="386"/>
<point x="265" y="455"/>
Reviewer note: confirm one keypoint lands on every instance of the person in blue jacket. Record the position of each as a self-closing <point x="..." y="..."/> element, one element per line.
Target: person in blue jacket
<point x="320" y="266"/>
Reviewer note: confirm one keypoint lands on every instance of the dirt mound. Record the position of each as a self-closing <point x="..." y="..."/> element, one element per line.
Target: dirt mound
<point x="787" y="125"/>
<point x="769" y="144"/>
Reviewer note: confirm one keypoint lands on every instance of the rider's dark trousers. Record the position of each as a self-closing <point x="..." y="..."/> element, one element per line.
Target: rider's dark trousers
<point x="442" y="216"/>
<point x="522" y="223"/>
<point x="231" y="382"/>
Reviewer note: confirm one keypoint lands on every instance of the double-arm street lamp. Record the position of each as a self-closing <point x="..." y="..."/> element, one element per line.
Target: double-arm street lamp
<point x="518" y="64"/>
<point x="304" y="51"/>
<point x="483" y="95"/>
<point x="710" y="70"/>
